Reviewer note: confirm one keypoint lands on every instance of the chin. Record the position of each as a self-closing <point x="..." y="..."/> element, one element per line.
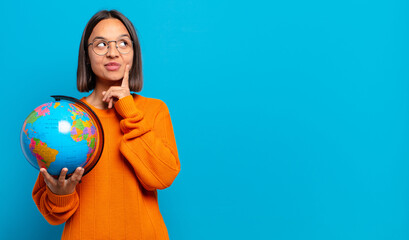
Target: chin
<point x="113" y="77"/>
<point x="115" y="80"/>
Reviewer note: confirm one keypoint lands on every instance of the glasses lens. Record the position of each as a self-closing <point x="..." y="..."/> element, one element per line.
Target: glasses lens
<point x="100" y="46"/>
<point x="124" y="45"/>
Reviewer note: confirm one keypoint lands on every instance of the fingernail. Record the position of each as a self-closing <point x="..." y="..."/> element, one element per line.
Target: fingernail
<point x="103" y="93"/>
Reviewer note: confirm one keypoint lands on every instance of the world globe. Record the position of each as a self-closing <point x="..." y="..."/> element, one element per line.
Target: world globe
<point x="64" y="133"/>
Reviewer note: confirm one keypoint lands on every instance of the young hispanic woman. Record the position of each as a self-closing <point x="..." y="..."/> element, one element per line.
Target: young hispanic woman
<point x="118" y="198"/>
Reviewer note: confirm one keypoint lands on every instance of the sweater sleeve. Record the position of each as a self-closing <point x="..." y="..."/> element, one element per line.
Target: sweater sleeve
<point x="149" y="147"/>
<point x="56" y="209"/>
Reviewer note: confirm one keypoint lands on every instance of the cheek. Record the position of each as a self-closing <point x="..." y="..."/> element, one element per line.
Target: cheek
<point x="95" y="62"/>
<point x="129" y="60"/>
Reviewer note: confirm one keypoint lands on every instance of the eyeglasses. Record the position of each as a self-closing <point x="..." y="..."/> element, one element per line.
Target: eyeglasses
<point x="100" y="46"/>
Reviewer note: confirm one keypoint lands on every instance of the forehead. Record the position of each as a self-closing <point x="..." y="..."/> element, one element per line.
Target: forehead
<point x="109" y="29"/>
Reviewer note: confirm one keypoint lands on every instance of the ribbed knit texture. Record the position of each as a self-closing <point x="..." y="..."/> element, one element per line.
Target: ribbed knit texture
<point x="118" y="198"/>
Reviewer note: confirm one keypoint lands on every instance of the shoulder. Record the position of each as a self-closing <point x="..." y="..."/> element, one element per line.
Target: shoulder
<point x="147" y="104"/>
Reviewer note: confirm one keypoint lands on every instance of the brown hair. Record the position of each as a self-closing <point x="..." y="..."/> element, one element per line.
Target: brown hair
<point x="85" y="77"/>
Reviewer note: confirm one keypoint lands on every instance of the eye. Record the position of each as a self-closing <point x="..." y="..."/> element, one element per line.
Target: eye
<point x="122" y="43"/>
<point x="100" y="44"/>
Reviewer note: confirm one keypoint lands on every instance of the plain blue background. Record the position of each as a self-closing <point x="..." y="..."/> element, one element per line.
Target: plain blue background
<point x="291" y="117"/>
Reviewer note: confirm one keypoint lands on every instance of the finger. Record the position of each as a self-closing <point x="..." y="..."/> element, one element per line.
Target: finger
<point x="77" y="175"/>
<point x="125" y="80"/>
<point x="107" y="97"/>
<point x="117" y="93"/>
<point x="111" y="93"/>
<point x="106" y="94"/>
<point x="61" y="178"/>
<point x="43" y="172"/>
<point x="48" y="179"/>
<point x="110" y="103"/>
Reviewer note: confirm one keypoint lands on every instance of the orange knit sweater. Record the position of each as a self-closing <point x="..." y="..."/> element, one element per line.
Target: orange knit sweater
<point x="118" y="198"/>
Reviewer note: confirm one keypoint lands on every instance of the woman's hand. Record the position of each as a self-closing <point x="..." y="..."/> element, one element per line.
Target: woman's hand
<point x="115" y="93"/>
<point x="62" y="186"/>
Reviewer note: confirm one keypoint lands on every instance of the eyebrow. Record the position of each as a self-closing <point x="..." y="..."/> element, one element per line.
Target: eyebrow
<point x="99" y="37"/>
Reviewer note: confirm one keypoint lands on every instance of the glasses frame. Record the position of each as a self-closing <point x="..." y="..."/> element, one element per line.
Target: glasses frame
<point x="108" y="46"/>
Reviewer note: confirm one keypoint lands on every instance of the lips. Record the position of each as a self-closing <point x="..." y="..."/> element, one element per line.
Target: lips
<point x="112" y="66"/>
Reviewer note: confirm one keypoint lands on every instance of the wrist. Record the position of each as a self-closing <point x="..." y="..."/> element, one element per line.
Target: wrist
<point x="61" y="199"/>
<point x="126" y="107"/>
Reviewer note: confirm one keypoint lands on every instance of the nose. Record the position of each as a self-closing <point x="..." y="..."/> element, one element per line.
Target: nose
<point x="112" y="50"/>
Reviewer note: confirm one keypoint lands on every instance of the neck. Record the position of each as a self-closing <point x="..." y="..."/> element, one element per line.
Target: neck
<point x="95" y="98"/>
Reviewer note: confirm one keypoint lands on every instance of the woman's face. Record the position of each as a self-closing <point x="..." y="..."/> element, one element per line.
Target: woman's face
<point x="111" y="66"/>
